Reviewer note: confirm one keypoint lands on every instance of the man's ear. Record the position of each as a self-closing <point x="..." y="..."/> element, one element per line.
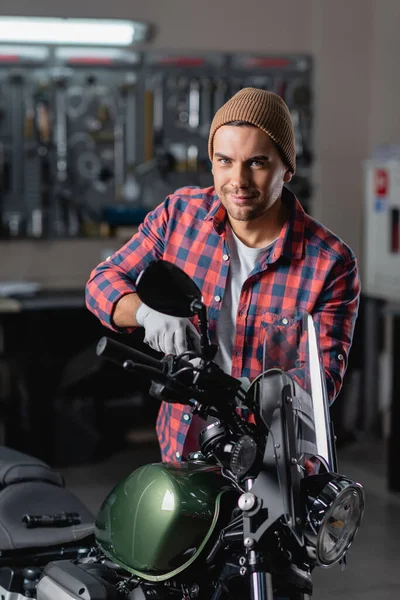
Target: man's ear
<point x="287" y="176"/>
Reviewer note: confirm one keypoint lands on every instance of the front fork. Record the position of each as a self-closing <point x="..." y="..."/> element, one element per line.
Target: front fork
<point x="261" y="585"/>
<point x="260" y="581"/>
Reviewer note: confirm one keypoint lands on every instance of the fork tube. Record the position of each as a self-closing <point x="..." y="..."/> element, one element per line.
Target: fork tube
<point x="261" y="586"/>
<point x="261" y="580"/>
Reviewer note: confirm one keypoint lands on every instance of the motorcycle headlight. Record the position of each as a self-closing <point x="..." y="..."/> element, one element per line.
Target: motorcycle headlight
<point x="335" y="506"/>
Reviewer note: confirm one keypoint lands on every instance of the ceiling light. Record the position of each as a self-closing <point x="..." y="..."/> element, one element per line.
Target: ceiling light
<point x="99" y="32"/>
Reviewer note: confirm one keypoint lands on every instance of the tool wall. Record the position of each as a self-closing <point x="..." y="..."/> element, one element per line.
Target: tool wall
<point x="99" y="137"/>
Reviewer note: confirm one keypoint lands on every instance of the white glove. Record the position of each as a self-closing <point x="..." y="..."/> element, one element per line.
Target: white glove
<point x="170" y="335"/>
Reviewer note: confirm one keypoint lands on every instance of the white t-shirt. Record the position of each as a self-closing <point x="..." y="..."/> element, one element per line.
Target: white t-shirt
<point x="242" y="262"/>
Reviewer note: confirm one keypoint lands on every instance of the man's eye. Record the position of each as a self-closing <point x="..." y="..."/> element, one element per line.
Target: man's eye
<point x="257" y="163"/>
<point x="224" y="161"/>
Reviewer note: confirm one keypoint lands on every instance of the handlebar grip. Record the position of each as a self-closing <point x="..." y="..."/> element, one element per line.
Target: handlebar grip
<point x="119" y="353"/>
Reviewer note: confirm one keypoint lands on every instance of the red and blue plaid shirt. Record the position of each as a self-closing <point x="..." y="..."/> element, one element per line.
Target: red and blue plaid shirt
<point x="307" y="268"/>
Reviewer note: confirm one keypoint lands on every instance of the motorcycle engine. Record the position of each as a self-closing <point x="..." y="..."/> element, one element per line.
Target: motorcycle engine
<point x="66" y="580"/>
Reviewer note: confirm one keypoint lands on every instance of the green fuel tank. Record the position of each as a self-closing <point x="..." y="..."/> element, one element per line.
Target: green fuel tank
<point x="156" y="522"/>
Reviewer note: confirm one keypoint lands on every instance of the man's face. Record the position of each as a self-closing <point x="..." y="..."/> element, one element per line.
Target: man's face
<point x="248" y="172"/>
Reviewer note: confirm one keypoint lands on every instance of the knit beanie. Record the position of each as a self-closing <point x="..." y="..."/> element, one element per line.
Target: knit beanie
<point x="263" y="109"/>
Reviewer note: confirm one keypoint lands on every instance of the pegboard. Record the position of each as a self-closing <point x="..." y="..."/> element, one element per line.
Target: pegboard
<point x="100" y="136"/>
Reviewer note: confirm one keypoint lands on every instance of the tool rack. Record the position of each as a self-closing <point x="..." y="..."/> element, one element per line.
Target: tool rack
<point x="88" y="134"/>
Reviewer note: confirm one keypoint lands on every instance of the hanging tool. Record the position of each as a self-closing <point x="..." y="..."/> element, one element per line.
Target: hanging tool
<point x="32" y="199"/>
<point x="192" y="157"/>
<point x="43" y="134"/>
<point x="3" y="187"/>
<point x="77" y="102"/>
<point x="119" y="156"/>
<point x="65" y="220"/>
<point x="301" y="102"/>
<point x="205" y="106"/>
<point x="158" y="104"/>
<point x="181" y="101"/>
<point x="220" y="90"/>
<point x="125" y="140"/>
<point x="17" y="214"/>
<point x="128" y="92"/>
<point x="149" y="128"/>
<point x="194" y="104"/>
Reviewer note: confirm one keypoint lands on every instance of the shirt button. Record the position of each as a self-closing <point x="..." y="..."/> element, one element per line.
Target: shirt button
<point x="217" y="298"/>
<point x="285" y="321"/>
<point x="177" y="454"/>
<point x="186" y="417"/>
<point x="340" y="356"/>
<point x="225" y="257"/>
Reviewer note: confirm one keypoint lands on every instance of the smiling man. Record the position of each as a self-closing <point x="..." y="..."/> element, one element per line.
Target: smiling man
<point x="251" y="249"/>
<point x="248" y="177"/>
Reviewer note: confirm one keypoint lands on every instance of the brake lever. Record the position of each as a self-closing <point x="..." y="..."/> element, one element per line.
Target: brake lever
<point x="160" y="380"/>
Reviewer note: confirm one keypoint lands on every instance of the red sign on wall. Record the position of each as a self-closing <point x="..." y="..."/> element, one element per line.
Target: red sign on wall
<point x="381" y="183"/>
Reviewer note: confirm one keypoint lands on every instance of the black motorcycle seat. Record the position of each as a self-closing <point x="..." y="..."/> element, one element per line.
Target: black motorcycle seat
<point x="39" y="498"/>
<point x="17" y="467"/>
<point x="29" y="486"/>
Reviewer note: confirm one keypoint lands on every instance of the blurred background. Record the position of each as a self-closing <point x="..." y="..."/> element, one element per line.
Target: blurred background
<point x="95" y="133"/>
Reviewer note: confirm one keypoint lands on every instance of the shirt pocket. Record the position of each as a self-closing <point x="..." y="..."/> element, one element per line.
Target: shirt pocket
<point x="280" y="338"/>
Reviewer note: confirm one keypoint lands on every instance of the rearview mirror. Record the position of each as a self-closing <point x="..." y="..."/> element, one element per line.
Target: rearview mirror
<point x="166" y="288"/>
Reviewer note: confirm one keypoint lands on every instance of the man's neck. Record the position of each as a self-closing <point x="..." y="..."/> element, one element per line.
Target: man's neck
<point x="263" y="230"/>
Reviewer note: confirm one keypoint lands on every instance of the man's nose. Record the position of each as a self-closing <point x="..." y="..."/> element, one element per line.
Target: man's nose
<point x="240" y="176"/>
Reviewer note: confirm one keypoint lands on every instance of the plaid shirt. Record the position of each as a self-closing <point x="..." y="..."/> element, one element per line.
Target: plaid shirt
<point x="307" y="268"/>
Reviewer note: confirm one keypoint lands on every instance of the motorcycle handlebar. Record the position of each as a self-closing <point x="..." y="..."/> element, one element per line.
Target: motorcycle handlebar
<point x="119" y="353"/>
<point x="131" y="359"/>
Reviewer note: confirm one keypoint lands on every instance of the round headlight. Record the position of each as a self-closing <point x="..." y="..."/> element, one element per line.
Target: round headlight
<point x="334" y="517"/>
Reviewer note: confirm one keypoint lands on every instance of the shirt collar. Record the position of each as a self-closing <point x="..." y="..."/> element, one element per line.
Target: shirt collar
<point x="290" y="242"/>
<point x="216" y="214"/>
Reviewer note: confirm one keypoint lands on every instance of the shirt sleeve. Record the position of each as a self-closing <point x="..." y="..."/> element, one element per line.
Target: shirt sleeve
<point x="116" y="276"/>
<point x="336" y="315"/>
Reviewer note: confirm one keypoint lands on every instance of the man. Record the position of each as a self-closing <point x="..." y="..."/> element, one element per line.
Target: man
<point x="250" y="248"/>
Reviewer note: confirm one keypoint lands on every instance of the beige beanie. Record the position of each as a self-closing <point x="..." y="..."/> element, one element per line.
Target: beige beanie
<point x="263" y="109"/>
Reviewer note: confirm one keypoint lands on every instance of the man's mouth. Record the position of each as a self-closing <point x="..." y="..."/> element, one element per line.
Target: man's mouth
<point x="240" y="199"/>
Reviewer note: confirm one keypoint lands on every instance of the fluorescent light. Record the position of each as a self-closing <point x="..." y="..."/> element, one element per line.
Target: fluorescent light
<point x="71" y="31"/>
<point x="115" y="54"/>
<point x="32" y="53"/>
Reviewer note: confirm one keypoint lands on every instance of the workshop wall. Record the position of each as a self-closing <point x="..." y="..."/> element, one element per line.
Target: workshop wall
<point x="384" y="115"/>
<point x="354" y="45"/>
<point x="208" y="25"/>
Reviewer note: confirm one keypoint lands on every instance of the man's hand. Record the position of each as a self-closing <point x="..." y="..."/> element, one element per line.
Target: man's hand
<point x="170" y="335"/>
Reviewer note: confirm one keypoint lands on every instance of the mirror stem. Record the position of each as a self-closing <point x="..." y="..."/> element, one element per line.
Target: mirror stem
<point x="208" y="350"/>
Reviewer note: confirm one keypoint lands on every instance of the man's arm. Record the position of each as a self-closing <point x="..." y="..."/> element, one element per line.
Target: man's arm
<point x="110" y="290"/>
<point x="124" y="315"/>
<point x="336" y="314"/>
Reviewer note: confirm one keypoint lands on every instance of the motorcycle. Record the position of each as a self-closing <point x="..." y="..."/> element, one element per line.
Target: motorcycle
<point x="252" y="513"/>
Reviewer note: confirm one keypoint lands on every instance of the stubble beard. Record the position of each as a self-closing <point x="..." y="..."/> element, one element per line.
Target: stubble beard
<point x="244" y="213"/>
<point x="260" y="205"/>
